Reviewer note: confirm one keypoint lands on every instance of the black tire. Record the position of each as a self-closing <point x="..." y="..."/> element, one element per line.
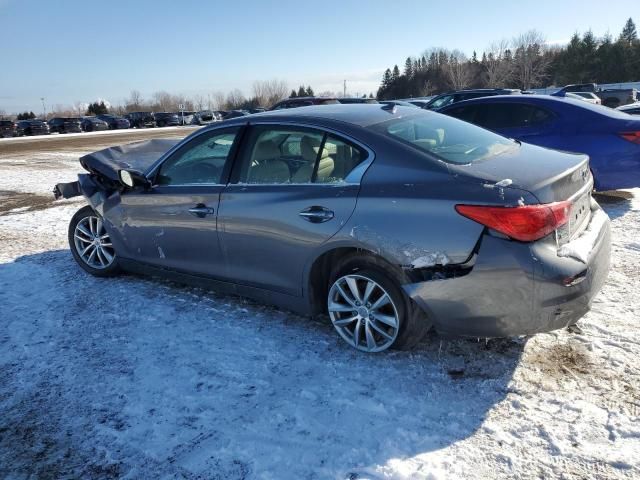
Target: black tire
<point x="414" y="324"/>
<point x="110" y="270"/>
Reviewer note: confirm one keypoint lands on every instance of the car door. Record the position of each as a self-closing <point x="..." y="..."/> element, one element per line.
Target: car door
<point x="173" y="224"/>
<point x="291" y="190"/>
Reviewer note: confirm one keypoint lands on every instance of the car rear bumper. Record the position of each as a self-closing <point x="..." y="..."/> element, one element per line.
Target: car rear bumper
<point x="516" y="288"/>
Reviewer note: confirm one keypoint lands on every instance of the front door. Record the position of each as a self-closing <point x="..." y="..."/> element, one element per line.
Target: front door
<point x="174" y="223"/>
<point x="290" y="191"/>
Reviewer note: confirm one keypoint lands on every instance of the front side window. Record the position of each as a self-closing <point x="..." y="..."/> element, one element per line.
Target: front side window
<point x="441" y="102"/>
<point x="446" y="138"/>
<point x="199" y="162"/>
<point x="289" y="155"/>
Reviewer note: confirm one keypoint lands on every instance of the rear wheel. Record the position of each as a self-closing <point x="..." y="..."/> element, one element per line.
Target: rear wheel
<point x="368" y="308"/>
<point x="91" y="245"/>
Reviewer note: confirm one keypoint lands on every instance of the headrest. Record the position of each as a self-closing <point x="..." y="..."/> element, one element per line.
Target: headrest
<point x="266" y="150"/>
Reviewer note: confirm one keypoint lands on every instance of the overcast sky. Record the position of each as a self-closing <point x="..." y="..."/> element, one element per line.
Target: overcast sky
<point x="68" y="51"/>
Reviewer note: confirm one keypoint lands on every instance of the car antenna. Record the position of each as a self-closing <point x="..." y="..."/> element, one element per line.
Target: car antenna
<point x="389" y="107"/>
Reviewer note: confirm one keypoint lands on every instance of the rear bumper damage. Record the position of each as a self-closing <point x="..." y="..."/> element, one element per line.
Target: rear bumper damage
<point x="517" y="288"/>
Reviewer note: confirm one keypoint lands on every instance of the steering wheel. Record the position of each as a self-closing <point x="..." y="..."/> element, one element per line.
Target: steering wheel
<point x="205" y="171"/>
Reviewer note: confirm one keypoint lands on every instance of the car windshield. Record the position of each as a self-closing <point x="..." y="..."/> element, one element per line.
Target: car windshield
<point x="448" y="139"/>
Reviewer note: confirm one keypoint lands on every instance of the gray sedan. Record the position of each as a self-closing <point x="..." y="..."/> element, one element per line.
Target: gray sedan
<point x="391" y="220"/>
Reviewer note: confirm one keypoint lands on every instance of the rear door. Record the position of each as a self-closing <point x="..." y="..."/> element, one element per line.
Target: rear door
<point x="292" y="189"/>
<point x="174" y="223"/>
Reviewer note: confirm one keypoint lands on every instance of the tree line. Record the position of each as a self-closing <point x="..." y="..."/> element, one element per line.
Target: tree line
<point x="524" y="62"/>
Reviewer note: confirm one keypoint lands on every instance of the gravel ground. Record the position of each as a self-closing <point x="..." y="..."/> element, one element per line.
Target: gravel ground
<point x="140" y="378"/>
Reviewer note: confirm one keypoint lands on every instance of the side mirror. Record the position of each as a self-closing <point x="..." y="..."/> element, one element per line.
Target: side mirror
<point x="133" y="178"/>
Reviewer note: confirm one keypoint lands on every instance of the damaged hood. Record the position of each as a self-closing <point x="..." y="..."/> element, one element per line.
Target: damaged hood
<point x="135" y="156"/>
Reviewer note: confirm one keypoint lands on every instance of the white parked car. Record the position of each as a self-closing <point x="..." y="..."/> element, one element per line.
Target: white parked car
<point x="587" y="97"/>
<point x="631" y="108"/>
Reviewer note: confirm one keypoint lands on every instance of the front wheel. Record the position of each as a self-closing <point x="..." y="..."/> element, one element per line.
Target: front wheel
<point x="91" y="245"/>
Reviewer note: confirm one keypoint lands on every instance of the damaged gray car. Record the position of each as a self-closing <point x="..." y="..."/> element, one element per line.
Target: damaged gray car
<point x="390" y="220"/>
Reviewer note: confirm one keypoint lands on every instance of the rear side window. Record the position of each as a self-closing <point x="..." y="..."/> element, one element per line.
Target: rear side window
<point x="512" y="115"/>
<point x="291" y="155"/>
<point x="446" y="138"/>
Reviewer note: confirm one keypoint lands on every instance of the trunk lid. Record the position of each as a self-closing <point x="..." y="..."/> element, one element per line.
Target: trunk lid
<point x="549" y="175"/>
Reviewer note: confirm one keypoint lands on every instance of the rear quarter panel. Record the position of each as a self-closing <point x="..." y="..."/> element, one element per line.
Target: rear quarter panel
<point x="406" y="210"/>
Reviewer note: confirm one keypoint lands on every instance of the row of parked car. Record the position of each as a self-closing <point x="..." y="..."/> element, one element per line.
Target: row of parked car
<point x="9" y="128"/>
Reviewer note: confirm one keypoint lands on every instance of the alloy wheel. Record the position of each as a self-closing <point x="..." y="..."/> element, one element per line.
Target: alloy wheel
<point x="92" y="243"/>
<point x="363" y="313"/>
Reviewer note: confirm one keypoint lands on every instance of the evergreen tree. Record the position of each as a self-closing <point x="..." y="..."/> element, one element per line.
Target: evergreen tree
<point x="629" y="33"/>
<point x="26" y="116"/>
<point x="293" y="93"/>
<point x="302" y="92"/>
<point x="310" y="91"/>
<point x="96" y="108"/>
<point x="396" y="73"/>
<point x="408" y="67"/>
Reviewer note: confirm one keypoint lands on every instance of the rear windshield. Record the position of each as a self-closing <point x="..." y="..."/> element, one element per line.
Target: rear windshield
<point x="446" y="138"/>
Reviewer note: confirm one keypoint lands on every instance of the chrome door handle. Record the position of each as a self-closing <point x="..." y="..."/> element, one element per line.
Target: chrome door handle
<point x="316" y="214"/>
<point x="201" y="210"/>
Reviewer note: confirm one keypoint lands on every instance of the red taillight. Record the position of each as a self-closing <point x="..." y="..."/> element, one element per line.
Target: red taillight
<point x="631" y="136"/>
<point x="525" y="223"/>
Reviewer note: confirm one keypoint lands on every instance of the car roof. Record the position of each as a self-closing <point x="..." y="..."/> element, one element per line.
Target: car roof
<point x="547" y="100"/>
<point x="356" y="114"/>
<point x="480" y="90"/>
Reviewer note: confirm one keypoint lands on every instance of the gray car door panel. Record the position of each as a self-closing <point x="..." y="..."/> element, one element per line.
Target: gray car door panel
<point x="265" y="239"/>
<point x="159" y="228"/>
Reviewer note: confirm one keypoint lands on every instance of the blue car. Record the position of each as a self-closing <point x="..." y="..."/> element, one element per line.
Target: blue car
<point x="611" y="138"/>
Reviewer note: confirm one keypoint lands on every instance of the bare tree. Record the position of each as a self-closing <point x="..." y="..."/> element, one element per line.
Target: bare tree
<point x="79" y="108"/>
<point x="499" y="69"/>
<point x="135" y="99"/>
<point x="235" y="99"/>
<point x="529" y="61"/>
<point x="425" y="89"/>
<point x="458" y="70"/>
<point x="164" y="101"/>
<point x="199" y="102"/>
<point x="268" y="92"/>
<point x="216" y="100"/>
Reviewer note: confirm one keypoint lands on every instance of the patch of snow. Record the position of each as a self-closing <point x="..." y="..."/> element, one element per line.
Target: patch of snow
<point x="580" y="248"/>
<point x="430" y="260"/>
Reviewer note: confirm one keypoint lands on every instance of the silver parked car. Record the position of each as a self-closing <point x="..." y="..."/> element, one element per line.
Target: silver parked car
<point x="391" y="220"/>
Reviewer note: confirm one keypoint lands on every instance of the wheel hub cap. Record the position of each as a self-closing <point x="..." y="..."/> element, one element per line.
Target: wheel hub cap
<point x="363" y="313"/>
<point x="92" y="243"/>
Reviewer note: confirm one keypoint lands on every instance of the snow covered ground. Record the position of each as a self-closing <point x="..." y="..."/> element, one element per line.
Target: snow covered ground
<point x="140" y="378"/>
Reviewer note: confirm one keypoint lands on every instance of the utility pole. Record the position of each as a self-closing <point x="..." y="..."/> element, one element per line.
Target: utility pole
<point x="344" y="89"/>
<point x="44" y="109"/>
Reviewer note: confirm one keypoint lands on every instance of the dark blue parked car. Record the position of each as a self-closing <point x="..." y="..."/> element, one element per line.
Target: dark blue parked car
<point x="610" y="138"/>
